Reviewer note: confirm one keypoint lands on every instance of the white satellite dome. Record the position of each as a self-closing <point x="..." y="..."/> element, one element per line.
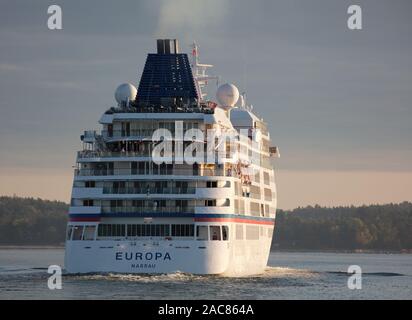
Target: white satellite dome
<point x="125" y="92"/>
<point x="227" y="95"/>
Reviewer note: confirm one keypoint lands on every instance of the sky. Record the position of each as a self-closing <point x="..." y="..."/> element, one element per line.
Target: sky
<point x="337" y="101"/>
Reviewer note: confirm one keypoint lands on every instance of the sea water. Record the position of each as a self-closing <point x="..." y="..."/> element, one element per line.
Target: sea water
<point x="289" y="275"/>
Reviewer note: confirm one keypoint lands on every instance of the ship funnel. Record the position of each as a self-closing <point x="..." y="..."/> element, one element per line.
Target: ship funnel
<point x="167" y="46"/>
<point x="167" y="79"/>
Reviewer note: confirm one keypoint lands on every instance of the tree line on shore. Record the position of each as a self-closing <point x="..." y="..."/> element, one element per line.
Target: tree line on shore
<point x="29" y="221"/>
<point x="373" y="227"/>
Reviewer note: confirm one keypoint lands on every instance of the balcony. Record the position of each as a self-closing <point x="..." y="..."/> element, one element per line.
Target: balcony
<point x="86" y="193"/>
<point x="143" y="210"/>
<point x="137" y="134"/>
<point x="109" y="190"/>
<point x="84" y="210"/>
<point x="88" y="154"/>
<point x="163" y="172"/>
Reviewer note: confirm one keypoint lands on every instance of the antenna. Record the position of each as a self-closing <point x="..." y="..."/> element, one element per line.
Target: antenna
<point x="243" y="102"/>
<point x="199" y="71"/>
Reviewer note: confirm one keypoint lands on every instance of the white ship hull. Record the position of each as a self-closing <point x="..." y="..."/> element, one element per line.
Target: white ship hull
<point x="232" y="258"/>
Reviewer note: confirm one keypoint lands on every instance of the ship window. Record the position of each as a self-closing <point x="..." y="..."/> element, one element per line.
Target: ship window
<point x="252" y="232"/>
<point x="241" y="207"/>
<point x="202" y="233"/>
<point x="174" y="231"/>
<point x="141" y="167"/>
<point x="268" y="194"/>
<point x="215" y="233"/>
<point x="101" y="230"/>
<point x="130" y="230"/>
<point x="182" y="230"/>
<point x="89" y="233"/>
<point x="158" y="230"/>
<point x="254" y="209"/>
<point x="167" y="230"/>
<point x="110" y="130"/>
<point x="90" y="184"/>
<point x="88" y="203"/>
<point x="143" y="229"/>
<point x="77" y="232"/>
<point x="266" y="178"/>
<point x="239" y="232"/>
<point x="210" y="203"/>
<point x="69" y="232"/>
<point x="191" y="230"/>
<point x="147" y="228"/>
<point x="116" y="204"/>
<point x="111" y="230"/>
<point x="225" y="233"/>
<point x="211" y="184"/>
<point x="181" y="204"/>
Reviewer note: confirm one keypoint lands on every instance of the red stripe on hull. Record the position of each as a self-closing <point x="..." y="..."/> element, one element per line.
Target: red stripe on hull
<point x="234" y="220"/>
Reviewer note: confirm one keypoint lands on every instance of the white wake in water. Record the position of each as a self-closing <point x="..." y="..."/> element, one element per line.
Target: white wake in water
<point x="279" y="272"/>
<point x="143" y="278"/>
<point x="270" y="273"/>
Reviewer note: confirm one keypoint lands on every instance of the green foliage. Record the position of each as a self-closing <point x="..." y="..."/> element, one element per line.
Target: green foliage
<point x="28" y="221"/>
<point x="375" y="227"/>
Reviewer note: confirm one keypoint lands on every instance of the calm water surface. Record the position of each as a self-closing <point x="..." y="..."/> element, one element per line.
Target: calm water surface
<point x="309" y="275"/>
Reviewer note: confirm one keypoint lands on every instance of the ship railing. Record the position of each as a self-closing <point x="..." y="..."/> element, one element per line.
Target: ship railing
<point x="143" y="108"/>
<point x="148" y="210"/>
<point x="163" y="172"/>
<point x="84" y="154"/>
<point x="135" y="133"/>
<point x="111" y="190"/>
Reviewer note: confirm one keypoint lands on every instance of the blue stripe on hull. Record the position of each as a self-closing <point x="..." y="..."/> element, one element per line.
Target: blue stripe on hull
<point x="168" y="215"/>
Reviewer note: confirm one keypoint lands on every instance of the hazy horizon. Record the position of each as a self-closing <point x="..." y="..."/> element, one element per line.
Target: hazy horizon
<point x="338" y="102"/>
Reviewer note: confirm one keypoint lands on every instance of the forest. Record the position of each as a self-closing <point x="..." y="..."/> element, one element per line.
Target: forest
<point x="374" y="227"/>
<point x="29" y="221"/>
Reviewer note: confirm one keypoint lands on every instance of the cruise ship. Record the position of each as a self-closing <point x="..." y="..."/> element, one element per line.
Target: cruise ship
<point x="179" y="178"/>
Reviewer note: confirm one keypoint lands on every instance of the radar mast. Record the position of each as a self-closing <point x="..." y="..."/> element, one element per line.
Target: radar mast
<point x="199" y="71"/>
